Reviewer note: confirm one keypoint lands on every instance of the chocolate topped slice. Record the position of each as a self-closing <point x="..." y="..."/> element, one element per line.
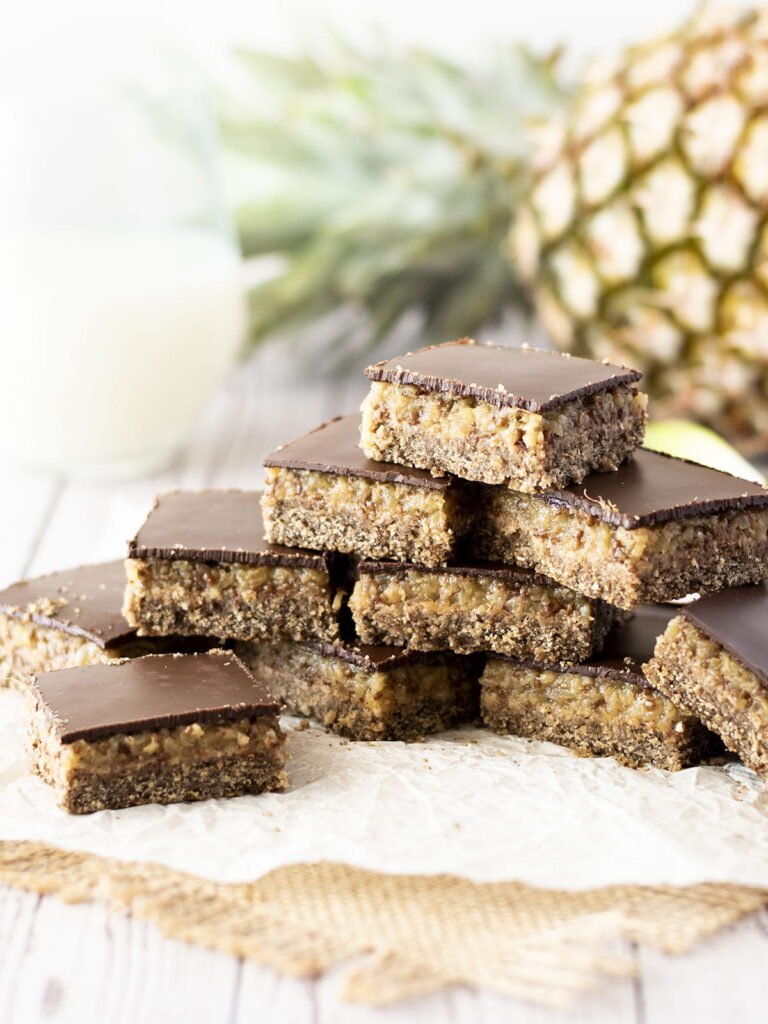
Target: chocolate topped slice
<point x="334" y="448"/>
<point x="199" y="566"/>
<point x="525" y="378"/>
<point x="214" y="526"/>
<point x="85" y="601"/>
<point x="157" y="692"/>
<point x="737" y="619"/>
<point x="654" y="488"/>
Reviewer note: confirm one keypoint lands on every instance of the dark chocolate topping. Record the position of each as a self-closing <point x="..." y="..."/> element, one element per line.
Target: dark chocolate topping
<point x="161" y="691"/>
<point x="497" y="570"/>
<point x="215" y="526"/>
<point x="527" y="378"/>
<point x="737" y="619"/>
<point x="652" y="488"/>
<point x="85" y="601"/>
<point x="626" y="649"/>
<point x="334" y="447"/>
<point x="374" y="658"/>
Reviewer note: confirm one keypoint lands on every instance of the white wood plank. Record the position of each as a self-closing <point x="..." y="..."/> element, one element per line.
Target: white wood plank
<point x="17" y="916"/>
<point x="433" y="1009"/>
<point x="83" y="963"/>
<point x="154" y="979"/>
<point x="723" y="979"/>
<point x="613" y="1003"/>
<point x="276" y="402"/>
<point x="290" y="1000"/>
<point x="65" y="952"/>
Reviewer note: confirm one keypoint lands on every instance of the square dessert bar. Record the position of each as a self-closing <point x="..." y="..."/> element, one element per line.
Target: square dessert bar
<point x="657" y="529"/>
<point x="369" y="693"/>
<point x="712" y="660"/>
<point x="499" y="415"/>
<point x="322" y="492"/>
<point x="604" y="707"/>
<point x="66" y="619"/>
<point x="477" y="606"/>
<point x="160" y="729"/>
<point x="200" y="566"/>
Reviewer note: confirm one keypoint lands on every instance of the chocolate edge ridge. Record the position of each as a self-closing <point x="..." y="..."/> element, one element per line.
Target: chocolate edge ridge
<point x="70" y="629"/>
<point x="305" y="560"/>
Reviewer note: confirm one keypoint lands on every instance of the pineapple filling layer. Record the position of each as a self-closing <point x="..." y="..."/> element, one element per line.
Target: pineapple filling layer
<point x="607" y="702"/>
<point x="182" y="745"/>
<point x="451" y="419"/>
<point x="448" y="593"/>
<point x="330" y="492"/>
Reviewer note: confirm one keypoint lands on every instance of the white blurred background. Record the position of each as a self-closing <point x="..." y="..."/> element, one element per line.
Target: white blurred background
<point x="118" y="254"/>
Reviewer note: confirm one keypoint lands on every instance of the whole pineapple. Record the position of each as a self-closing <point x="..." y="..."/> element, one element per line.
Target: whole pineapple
<point x="644" y="236"/>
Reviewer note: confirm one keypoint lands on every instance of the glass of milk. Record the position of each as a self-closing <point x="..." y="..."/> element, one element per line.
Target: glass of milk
<point x="121" y="294"/>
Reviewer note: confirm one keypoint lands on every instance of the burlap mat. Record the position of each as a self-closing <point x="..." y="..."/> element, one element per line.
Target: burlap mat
<point x="418" y="933"/>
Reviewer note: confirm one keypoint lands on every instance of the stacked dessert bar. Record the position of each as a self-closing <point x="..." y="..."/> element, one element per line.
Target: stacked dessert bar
<point x="489" y="540"/>
<point x="495" y="505"/>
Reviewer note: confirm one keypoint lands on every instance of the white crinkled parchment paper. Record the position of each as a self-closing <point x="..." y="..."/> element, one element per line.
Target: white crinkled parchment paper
<point x="466" y="802"/>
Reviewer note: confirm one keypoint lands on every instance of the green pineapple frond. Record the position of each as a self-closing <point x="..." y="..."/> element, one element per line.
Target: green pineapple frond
<point x="386" y="181"/>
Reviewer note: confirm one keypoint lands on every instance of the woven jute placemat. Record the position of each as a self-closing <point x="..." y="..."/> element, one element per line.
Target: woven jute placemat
<point x="417" y="933"/>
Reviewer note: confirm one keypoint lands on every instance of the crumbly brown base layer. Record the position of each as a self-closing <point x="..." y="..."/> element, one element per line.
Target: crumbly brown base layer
<point x="404" y="703"/>
<point x="243" y="602"/>
<point x="704" y="678"/>
<point x="441" y="611"/>
<point x="328" y="512"/>
<point x="594" y="716"/>
<point x="478" y="441"/>
<point x="700" y="554"/>
<point x="182" y="764"/>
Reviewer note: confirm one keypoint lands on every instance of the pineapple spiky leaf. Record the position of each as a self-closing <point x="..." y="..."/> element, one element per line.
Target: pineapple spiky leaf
<point x="386" y="182"/>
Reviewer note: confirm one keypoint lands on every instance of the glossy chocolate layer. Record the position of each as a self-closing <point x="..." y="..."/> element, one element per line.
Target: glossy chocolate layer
<point x="215" y="526"/>
<point x="161" y="691"/>
<point x="85" y="601"/>
<point x="626" y="649"/>
<point x="737" y="619"/>
<point x="526" y="378"/>
<point x="653" y="488"/>
<point x="334" y="448"/>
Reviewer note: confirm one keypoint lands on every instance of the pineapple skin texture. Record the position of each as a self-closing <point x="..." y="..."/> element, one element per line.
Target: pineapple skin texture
<point x="644" y="235"/>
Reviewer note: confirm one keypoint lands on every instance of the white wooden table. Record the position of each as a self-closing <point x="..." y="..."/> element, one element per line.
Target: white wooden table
<point x="81" y="965"/>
